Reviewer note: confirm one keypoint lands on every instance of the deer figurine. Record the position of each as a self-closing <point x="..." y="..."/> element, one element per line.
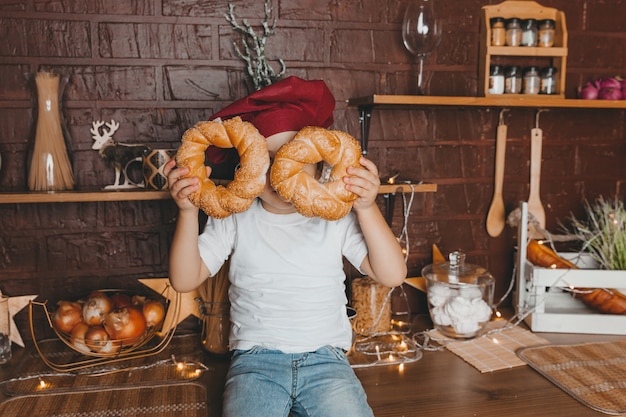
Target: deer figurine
<point x="120" y="155"/>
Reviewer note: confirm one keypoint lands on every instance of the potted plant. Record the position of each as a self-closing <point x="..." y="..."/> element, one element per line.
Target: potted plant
<point x="603" y="236"/>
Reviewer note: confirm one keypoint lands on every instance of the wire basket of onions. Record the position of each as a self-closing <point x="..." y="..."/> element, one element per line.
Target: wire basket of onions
<point x="107" y="323"/>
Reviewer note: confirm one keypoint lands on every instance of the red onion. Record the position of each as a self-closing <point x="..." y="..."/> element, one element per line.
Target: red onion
<point x="610" y="89"/>
<point x="589" y="91"/>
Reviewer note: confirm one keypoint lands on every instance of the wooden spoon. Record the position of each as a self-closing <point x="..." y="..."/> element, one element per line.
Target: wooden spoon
<point x="496" y="215"/>
<point x="534" y="201"/>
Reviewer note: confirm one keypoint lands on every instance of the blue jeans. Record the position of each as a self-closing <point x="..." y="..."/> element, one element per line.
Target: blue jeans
<point x="269" y="383"/>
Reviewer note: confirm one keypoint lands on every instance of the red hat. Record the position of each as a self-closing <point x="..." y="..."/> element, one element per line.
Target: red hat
<point x="287" y="105"/>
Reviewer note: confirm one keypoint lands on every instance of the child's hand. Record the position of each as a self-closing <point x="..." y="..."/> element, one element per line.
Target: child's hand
<point x="364" y="182"/>
<point x="181" y="188"/>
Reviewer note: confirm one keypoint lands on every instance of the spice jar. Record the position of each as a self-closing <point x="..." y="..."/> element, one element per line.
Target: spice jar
<point x="498" y="32"/>
<point x="532" y="81"/>
<point x="548" y="80"/>
<point x="496" y="80"/>
<point x="513" y="32"/>
<point x="545" y="33"/>
<point x="513" y="80"/>
<point x="529" y="32"/>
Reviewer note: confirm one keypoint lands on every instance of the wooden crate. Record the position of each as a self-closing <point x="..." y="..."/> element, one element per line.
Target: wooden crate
<point x="522" y="55"/>
<point x="543" y="296"/>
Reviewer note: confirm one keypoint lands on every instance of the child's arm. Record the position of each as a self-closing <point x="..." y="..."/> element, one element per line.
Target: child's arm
<point x="385" y="261"/>
<point x="186" y="269"/>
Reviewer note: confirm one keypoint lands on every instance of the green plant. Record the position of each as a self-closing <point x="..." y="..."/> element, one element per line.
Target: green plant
<point x="604" y="232"/>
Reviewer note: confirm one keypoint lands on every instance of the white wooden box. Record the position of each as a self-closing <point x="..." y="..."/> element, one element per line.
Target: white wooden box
<point x="541" y="295"/>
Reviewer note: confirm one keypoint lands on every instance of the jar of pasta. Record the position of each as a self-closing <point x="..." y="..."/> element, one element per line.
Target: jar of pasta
<point x="372" y="302"/>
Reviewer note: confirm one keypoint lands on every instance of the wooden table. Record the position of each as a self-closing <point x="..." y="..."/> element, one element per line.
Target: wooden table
<point x="439" y="384"/>
<point x="442" y="384"/>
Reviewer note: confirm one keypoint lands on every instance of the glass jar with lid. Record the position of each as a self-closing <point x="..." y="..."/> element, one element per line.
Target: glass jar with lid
<point x="548" y="80"/>
<point x="498" y="31"/>
<point x="531" y="80"/>
<point x="513" y="32"/>
<point x="460" y="297"/>
<point x="545" y="33"/>
<point x="529" y="32"/>
<point x="513" y="80"/>
<point x="496" y="79"/>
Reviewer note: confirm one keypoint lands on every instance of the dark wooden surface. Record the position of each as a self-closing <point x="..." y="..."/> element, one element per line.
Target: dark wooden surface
<point x="440" y="384"/>
<point x="443" y="384"/>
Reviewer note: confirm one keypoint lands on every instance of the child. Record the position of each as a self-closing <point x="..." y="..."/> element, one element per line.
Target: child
<point x="289" y="327"/>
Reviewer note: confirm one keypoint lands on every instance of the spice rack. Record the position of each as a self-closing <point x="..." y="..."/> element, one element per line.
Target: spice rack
<point x="555" y="55"/>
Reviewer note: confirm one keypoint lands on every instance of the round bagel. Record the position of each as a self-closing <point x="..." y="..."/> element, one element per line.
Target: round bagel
<point x="329" y="200"/>
<point x="250" y="177"/>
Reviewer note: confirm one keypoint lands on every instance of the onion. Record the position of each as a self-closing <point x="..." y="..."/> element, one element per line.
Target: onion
<point x="153" y="312"/>
<point x="126" y="324"/>
<point x="112" y="346"/>
<point x="120" y="299"/>
<point x="96" y="307"/>
<point x="77" y="338"/>
<point x="67" y="316"/>
<point x="96" y="338"/>
<point x="589" y="91"/>
<point x="610" y="89"/>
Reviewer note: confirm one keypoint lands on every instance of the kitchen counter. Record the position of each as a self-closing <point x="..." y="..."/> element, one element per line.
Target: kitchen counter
<point x="439" y="384"/>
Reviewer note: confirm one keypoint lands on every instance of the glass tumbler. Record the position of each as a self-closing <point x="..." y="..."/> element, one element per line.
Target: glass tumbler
<point x="5" y="330"/>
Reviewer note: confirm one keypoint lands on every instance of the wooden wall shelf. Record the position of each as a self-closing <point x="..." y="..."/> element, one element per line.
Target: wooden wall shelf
<point x="368" y="103"/>
<point x="142" y="195"/>
<point x="505" y="100"/>
<point x="82" y="196"/>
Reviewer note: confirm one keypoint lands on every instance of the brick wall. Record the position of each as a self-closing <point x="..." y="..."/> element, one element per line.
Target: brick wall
<point x="158" y="66"/>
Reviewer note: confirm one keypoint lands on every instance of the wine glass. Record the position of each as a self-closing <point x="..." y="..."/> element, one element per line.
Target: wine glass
<point x="421" y="32"/>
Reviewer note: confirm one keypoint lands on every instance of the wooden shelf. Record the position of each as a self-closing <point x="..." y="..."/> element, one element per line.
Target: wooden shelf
<point x="142" y="195"/>
<point x="81" y="196"/>
<point x="512" y="100"/>
<point x="407" y="188"/>
<point x="368" y="103"/>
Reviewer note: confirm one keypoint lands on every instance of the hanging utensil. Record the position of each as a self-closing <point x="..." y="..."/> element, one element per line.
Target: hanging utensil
<point x="535" y="207"/>
<point x="496" y="215"/>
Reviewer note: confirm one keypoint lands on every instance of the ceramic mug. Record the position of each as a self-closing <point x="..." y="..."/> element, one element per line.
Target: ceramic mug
<point x="152" y="167"/>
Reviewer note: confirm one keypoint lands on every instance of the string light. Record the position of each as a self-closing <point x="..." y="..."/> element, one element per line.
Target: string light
<point x="43" y="385"/>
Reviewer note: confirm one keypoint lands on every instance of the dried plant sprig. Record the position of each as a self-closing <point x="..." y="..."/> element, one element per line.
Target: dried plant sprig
<point x="604" y="232"/>
<point x="259" y="69"/>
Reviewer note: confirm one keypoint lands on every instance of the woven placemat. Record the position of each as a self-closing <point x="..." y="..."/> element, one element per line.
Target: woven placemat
<point x="494" y="350"/>
<point x="182" y="400"/>
<point x="592" y="373"/>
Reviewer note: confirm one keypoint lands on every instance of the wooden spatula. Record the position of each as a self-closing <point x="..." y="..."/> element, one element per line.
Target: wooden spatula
<point x="535" y="207"/>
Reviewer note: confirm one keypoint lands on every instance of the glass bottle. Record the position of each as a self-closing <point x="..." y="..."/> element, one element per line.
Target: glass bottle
<point x="496" y="80"/>
<point x="532" y="81"/>
<point x="545" y="33"/>
<point x="498" y="31"/>
<point x="512" y="80"/>
<point x="529" y="32"/>
<point x="513" y="32"/>
<point x="548" y="80"/>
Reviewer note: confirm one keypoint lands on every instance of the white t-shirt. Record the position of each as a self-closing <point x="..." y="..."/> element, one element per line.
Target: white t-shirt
<point x="287" y="279"/>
